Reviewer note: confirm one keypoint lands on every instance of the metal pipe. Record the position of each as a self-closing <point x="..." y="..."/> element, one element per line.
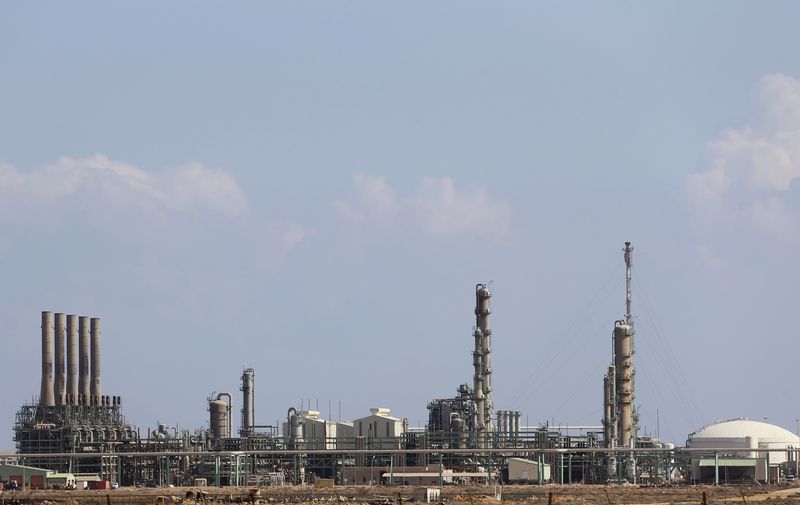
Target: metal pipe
<point x="47" y="394"/>
<point x="83" y="363"/>
<point x="59" y="384"/>
<point x="72" y="359"/>
<point x="230" y="410"/>
<point x="96" y="389"/>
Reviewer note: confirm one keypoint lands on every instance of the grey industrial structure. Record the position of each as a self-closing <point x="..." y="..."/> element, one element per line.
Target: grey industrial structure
<point x="74" y="428"/>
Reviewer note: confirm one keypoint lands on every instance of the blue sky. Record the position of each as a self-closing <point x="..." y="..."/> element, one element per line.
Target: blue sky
<point x="314" y="188"/>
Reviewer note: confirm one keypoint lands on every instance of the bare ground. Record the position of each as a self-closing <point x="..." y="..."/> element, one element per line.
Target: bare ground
<point x="398" y="495"/>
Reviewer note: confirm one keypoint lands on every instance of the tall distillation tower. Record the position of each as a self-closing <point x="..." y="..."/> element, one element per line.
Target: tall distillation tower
<point x="618" y="387"/>
<point x="482" y="362"/>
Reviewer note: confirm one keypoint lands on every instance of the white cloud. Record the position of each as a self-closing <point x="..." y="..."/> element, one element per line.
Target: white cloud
<point x="436" y="208"/>
<point x="752" y="167"/>
<point x="187" y="188"/>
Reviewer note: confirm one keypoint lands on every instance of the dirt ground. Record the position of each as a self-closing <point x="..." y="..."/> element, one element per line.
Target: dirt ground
<point x="366" y="495"/>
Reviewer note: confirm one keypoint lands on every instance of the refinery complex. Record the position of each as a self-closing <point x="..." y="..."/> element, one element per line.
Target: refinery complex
<point x="75" y="428"/>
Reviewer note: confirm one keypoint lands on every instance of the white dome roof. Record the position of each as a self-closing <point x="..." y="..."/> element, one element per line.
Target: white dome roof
<point x="741" y="428"/>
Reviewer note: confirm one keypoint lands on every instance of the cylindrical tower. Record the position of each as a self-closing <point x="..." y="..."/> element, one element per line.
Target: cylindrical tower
<point x="482" y="311"/>
<point x="248" y="402"/>
<point x="60" y="385"/>
<point x="623" y="361"/>
<point x="72" y="359"/>
<point x="83" y="360"/>
<point x="96" y="390"/>
<point x="47" y="394"/>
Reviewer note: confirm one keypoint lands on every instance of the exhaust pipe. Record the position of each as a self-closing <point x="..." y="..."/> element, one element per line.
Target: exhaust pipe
<point x="47" y="395"/>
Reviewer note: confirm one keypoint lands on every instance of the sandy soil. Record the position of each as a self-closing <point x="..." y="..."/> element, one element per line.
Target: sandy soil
<point x="365" y="495"/>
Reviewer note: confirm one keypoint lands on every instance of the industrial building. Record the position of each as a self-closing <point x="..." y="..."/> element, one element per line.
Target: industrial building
<point x="748" y="465"/>
<point x="74" y="428"/>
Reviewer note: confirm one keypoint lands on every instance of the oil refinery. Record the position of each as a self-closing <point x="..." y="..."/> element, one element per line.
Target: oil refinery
<point x="75" y="428"/>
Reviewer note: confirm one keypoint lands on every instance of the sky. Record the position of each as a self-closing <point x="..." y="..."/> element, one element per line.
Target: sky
<point x="313" y="189"/>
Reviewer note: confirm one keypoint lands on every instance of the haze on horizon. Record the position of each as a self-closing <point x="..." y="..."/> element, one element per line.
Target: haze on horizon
<point x="313" y="189"/>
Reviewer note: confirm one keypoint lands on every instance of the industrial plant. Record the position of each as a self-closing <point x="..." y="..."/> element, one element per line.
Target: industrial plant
<point x="74" y="428"/>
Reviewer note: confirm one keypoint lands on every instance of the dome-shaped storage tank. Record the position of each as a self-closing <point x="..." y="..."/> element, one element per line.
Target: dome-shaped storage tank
<point x="219" y="418"/>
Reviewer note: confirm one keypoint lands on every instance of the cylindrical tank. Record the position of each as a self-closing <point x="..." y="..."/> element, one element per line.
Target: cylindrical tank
<point x="83" y="359"/>
<point x="219" y="418"/>
<point x="72" y="359"/>
<point x="47" y="394"/>
<point x="751" y="443"/>
<point x="623" y="360"/>
<point x="60" y="384"/>
<point x="96" y="389"/>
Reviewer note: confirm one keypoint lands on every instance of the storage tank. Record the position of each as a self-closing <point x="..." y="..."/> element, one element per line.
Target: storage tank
<point x="218" y="418"/>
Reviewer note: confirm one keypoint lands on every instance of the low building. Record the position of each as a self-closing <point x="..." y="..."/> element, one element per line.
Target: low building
<point x="26" y="477"/>
<point x="61" y="481"/>
<point x="525" y="470"/>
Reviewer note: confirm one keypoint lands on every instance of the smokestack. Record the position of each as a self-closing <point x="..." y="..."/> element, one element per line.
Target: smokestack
<point x="96" y="390"/>
<point x="72" y="359"/>
<point x="83" y="364"/>
<point x="47" y="395"/>
<point x="59" y="385"/>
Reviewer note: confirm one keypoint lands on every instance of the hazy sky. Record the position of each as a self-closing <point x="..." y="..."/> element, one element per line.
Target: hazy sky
<point x="313" y="189"/>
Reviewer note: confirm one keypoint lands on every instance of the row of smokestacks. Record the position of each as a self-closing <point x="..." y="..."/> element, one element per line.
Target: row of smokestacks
<point x="79" y="382"/>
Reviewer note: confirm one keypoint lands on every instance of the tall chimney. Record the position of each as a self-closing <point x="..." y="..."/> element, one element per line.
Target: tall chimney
<point x="47" y="395"/>
<point x="83" y="366"/>
<point x="72" y="359"/>
<point x="59" y="385"/>
<point x="96" y="389"/>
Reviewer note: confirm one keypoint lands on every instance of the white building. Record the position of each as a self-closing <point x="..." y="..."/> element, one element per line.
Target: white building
<point x="747" y="464"/>
<point x="379" y="428"/>
<point x="316" y="433"/>
<point x="525" y="470"/>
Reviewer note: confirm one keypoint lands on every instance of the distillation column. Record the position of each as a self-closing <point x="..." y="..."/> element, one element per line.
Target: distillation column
<point x="623" y="363"/>
<point x="47" y="393"/>
<point x="482" y="361"/>
<point x="248" y="402"/>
